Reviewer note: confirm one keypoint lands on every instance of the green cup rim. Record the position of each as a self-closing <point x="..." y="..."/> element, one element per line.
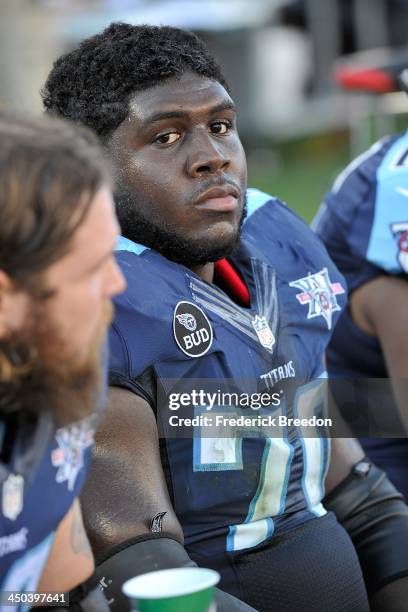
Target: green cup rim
<point x="128" y="587"/>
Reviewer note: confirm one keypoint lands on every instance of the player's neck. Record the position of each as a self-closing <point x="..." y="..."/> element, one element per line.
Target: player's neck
<point x="206" y="272"/>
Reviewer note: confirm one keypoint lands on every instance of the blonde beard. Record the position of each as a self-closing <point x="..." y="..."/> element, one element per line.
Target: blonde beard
<point x="40" y="372"/>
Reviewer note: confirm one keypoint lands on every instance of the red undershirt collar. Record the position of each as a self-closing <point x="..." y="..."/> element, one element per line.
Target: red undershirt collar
<point x="230" y="277"/>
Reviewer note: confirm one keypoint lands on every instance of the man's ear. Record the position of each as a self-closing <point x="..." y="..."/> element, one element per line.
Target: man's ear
<point x="13" y="306"/>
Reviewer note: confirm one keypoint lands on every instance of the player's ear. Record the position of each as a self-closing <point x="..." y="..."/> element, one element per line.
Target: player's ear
<point x="13" y="306"/>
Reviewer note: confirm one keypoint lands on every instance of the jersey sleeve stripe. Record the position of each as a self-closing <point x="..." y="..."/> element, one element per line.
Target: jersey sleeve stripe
<point x="124" y="244"/>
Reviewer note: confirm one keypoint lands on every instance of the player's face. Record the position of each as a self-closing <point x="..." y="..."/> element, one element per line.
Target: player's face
<point x="84" y="280"/>
<point x="181" y="170"/>
<point x="58" y="338"/>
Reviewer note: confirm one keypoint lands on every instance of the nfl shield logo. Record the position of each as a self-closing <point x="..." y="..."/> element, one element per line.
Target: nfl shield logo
<point x="13" y="489"/>
<point x="263" y="331"/>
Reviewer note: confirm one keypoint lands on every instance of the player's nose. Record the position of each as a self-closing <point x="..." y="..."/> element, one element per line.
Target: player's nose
<point x="207" y="157"/>
<point x="116" y="282"/>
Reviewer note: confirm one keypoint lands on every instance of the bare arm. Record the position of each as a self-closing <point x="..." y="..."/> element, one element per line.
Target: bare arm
<point x="379" y="528"/>
<point x="345" y="453"/>
<point x="126" y="487"/>
<point x="380" y="308"/>
<point x="71" y="560"/>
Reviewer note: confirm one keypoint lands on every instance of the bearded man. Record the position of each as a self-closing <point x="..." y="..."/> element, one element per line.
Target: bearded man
<point x="56" y="285"/>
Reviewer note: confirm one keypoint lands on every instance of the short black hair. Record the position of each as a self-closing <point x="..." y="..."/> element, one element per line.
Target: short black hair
<point x="93" y="84"/>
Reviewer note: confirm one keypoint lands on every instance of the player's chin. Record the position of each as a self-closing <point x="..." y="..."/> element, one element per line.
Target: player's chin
<point x="225" y="232"/>
<point x="91" y="350"/>
<point x="222" y="227"/>
<point x="220" y="241"/>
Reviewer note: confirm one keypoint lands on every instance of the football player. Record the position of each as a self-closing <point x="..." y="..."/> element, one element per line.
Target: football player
<point x="224" y="283"/>
<point x="363" y="223"/>
<point x="56" y="285"/>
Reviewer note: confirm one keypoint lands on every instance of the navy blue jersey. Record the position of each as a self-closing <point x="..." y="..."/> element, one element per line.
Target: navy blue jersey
<point x="232" y="494"/>
<point x="364" y="225"/>
<point x="42" y="477"/>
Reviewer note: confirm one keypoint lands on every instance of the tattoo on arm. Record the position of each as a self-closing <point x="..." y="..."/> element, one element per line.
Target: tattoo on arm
<point x="79" y="540"/>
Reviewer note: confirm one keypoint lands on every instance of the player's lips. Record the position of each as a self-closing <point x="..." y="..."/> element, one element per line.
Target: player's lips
<point x="219" y="199"/>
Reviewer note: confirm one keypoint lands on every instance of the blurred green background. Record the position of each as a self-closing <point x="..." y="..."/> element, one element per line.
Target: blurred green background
<point x="300" y="172"/>
<point x="298" y="126"/>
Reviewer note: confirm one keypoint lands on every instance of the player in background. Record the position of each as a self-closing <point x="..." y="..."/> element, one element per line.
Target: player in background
<point x="364" y="225"/>
<point x="223" y="283"/>
<point x="56" y="285"/>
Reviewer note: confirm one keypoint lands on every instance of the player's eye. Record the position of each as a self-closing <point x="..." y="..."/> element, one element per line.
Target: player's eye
<point x="168" y="138"/>
<point x="221" y="127"/>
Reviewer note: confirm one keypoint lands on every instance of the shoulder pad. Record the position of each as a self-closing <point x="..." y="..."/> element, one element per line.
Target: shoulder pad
<point x="388" y="243"/>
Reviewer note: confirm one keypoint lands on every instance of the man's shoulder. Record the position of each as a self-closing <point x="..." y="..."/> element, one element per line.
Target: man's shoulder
<point x="388" y="241"/>
<point x="263" y="206"/>
<point x="364" y="215"/>
<point x="368" y="167"/>
<point x="140" y="331"/>
<point x="356" y="187"/>
<point x="270" y="218"/>
<point x="47" y="469"/>
<point x="148" y="274"/>
<point x="285" y="240"/>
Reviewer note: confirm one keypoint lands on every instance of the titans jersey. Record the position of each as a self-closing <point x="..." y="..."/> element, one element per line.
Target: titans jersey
<point x="231" y="494"/>
<point x="364" y="225"/>
<point x="42" y="476"/>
